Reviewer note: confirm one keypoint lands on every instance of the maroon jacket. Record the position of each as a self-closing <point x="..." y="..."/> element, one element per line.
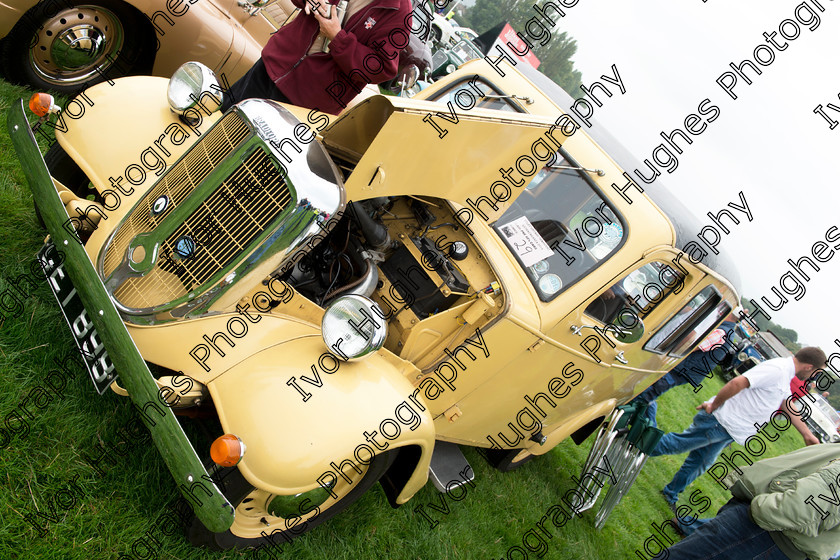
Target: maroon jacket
<point x="365" y="51"/>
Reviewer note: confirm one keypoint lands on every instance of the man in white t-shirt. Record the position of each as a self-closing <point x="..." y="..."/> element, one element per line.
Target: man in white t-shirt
<point x="734" y="414"/>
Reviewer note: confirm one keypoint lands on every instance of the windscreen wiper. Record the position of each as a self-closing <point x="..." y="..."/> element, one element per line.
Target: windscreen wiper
<point x="599" y="172"/>
<point x="526" y="99"/>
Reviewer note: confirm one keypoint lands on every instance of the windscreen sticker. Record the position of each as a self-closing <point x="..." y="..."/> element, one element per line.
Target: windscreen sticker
<point x="528" y="245"/>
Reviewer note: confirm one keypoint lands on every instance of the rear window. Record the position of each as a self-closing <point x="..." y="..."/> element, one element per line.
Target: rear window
<point x="682" y="332"/>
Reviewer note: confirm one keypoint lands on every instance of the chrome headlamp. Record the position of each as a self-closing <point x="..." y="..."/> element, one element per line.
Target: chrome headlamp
<point x="353" y="327"/>
<point x="191" y="84"/>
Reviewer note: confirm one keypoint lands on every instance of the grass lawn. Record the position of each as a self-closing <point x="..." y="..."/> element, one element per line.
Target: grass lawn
<point x="99" y="513"/>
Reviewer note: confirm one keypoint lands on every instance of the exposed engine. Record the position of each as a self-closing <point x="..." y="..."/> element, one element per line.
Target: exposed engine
<point x="346" y="261"/>
<point x="408" y="255"/>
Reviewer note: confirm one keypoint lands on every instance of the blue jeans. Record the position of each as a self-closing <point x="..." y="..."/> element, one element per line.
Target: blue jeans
<point x="652" y="393"/>
<point x="731" y="535"/>
<point x="694" y="369"/>
<point x="688" y="528"/>
<point x="691" y="370"/>
<point x="705" y="439"/>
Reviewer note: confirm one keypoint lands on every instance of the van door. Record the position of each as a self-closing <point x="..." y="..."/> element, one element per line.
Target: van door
<point x="643" y="324"/>
<point x="558" y="379"/>
<point x="612" y="327"/>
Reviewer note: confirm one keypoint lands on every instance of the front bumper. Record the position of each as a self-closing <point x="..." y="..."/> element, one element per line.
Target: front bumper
<point x="209" y="504"/>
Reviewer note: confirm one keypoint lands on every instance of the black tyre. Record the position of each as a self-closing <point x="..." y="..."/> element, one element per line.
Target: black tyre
<point x="63" y="168"/>
<point x="283" y="518"/>
<point x="507" y="460"/>
<point x="68" y="45"/>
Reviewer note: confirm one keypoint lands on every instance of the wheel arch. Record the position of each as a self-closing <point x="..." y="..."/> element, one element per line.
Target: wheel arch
<point x="188" y="30"/>
<point x="401" y="480"/>
<point x="297" y="443"/>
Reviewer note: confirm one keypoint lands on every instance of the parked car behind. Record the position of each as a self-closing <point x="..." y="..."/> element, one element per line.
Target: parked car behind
<point x="820" y="417"/>
<point x="65" y="45"/>
<point x="764" y="345"/>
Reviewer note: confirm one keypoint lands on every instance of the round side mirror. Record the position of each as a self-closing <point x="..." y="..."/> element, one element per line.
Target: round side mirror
<point x="629" y="335"/>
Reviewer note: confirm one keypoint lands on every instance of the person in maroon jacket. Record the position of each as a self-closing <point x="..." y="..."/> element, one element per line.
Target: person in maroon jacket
<point x="294" y="67"/>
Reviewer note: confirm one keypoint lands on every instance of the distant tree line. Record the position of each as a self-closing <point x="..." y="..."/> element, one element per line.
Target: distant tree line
<point x="555" y="56"/>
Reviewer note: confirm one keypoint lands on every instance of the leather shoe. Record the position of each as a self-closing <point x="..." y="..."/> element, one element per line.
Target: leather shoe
<point x="671" y="505"/>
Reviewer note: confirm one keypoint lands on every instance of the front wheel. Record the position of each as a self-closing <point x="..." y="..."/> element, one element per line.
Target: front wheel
<point x="262" y="516"/>
<point x="62" y="167"/>
<point x="507" y="460"/>
<point x="70" y="46"/>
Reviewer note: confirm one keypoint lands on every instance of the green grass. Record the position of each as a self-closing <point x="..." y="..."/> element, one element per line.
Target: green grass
<point x="109" y="511"/>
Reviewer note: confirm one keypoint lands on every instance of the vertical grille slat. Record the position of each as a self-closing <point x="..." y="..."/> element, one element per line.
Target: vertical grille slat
<point x="228" y="133"/>
<point x="238" y="212"/>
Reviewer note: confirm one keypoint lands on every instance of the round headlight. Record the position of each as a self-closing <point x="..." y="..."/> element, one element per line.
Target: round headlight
<point x="192" y="84"/>
<point x="743" y="357"/>
<point x="353" y="327"/>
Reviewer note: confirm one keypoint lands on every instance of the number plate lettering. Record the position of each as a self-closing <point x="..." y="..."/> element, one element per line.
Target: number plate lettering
<point x="93" y="352"/>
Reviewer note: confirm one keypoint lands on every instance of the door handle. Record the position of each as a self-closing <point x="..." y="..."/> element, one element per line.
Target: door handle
<point x="620" y="357"/>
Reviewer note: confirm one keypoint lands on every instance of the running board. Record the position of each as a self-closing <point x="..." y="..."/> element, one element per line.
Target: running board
<point x="449" y="468"/>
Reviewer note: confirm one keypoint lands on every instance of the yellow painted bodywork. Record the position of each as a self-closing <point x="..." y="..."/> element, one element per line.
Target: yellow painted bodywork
<point x="537" y="337"/>
<point x="389" y="150"/>
<point x="296" y="440"/>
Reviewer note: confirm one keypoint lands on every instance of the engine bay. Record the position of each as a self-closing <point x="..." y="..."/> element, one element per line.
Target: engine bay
<point x="429" y="278"/>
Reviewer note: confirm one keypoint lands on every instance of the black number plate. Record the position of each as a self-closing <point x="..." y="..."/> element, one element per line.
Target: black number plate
<point x="93" y="352"/>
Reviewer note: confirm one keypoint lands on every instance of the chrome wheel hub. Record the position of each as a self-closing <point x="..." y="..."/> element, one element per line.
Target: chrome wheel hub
<point x="76" y="44"/>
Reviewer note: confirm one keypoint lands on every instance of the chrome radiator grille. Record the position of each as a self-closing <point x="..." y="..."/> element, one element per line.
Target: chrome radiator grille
<point x="181" y="180"/>
<point x="222" y="217"/>
<point x="222" y="227"/>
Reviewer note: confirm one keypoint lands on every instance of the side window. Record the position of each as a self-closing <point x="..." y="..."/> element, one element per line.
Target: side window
<point x="487" y="96"/>
<point x="640" y="292"/>
<point x="681" y="333"/>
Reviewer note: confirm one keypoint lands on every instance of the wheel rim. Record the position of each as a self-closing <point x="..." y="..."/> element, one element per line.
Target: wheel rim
<point x="261" y="513"/>
<point x="76" y="44"/>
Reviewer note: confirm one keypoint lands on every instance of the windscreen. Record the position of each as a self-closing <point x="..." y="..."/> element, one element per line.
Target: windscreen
<point x="560" y="228"/>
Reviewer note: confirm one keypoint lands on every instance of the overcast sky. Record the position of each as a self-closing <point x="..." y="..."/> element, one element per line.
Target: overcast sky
<point x="768" y="143"/>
